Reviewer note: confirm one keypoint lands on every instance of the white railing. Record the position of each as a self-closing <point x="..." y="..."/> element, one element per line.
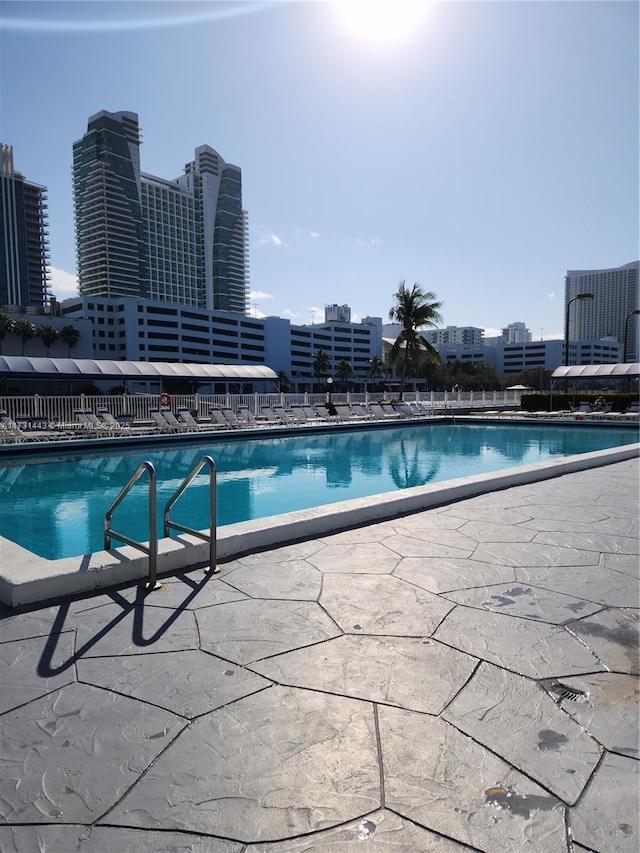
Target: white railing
<point x="60" y="409"/>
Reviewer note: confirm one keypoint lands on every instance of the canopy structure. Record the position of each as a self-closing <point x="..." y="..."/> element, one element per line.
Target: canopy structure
<point x="596" y="371"/>
<point x="87" y="368"/>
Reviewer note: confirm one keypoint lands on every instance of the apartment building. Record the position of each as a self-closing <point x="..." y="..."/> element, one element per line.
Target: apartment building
<point x="24" y="245"/>
<point x="612" y="311"/>
<point x="183" y="240"/>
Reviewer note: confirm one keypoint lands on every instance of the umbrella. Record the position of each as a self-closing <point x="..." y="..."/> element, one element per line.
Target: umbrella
<point x="518" y="388"/>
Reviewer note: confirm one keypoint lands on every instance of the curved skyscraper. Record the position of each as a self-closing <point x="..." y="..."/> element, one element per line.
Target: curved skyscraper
<point x="110" y="236"/>
<point x="182" y="240"/>
<point x="612" y="311"/>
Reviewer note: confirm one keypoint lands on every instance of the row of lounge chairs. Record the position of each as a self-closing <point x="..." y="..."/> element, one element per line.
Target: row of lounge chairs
<point x="89" y="424"/>
<point x="299" y="413"/>
<point x="586" y="412"/>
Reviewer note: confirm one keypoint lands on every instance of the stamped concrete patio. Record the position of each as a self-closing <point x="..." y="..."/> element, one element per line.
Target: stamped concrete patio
<point x="463" y="678"/>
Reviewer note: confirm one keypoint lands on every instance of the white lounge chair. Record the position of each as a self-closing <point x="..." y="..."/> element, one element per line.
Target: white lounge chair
<point x="231" y="417"/>
<point x="13" y="432"/>
<point x="91" y="424"/>
<point x="162" y="424"/>
<point x="246" y="417"/>
<point x="404" y="410"/>
<point x="305" y="412"/>
<point x="122" y="427"/>
<point x="191" y="423"/>
<point x="323" y="413"/>
<point x="283" y="415"/>
<point x="377" y="411"/>
<point x="359" y="410"/>
<point x="217" y="418"/>
<point x="171" y="419"/>
<point x="270" y="417"/>
<point x="344" y="412"/>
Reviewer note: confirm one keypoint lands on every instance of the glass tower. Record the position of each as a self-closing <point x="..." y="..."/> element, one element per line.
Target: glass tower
<point x="222" y="227"/>
<point x="610" y="314"/>
<point x="24" y="247"/>
<point x="181" y="240"/>
<point x="110" y="235"/>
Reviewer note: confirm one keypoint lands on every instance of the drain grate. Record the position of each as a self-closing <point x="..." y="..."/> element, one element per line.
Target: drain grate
<point x="560" y="691"/>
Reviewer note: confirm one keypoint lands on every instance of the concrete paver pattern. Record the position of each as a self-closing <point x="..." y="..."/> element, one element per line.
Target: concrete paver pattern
<point x="463" y="678"/>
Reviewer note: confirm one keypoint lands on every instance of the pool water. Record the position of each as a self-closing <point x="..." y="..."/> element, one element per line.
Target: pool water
<point x="55" y="507"/>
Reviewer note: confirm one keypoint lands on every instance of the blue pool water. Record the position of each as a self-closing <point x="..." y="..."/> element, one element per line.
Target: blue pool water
<point x="56" y="507"/>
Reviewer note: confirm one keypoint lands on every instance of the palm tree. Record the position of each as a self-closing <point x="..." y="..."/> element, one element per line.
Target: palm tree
<point x="413" y="310"/>
<point x="70" y="335"/>
<point x="321" y="363"/>
<point x="6" y="325"/>
<point x="344" y="370"/>
<point x="25" y="330"/>
<point x="376" y="368"/>
<point x="49" y="335"/>
<point x="410" y="466"/>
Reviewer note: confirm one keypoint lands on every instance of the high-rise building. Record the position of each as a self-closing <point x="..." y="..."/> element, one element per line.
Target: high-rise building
<point x="337" y="313"/>
<point x="515" y="333"/>
<point x="454" y="335"/>
<point x="610" y="314"/>
<point x="182" y="240"/>
<point x="24" y="246"/>
<point x="110" y="235"/>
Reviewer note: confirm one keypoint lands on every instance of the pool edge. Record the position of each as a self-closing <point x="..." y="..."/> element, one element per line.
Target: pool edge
<point x="30" y="579"/>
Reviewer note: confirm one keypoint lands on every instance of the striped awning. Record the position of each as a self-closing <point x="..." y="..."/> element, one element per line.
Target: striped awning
<point x="595" y="371"/>
<point x="28" y="367"/>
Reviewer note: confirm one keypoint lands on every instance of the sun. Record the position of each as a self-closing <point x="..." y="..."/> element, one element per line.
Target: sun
<point x="381" y="21"/>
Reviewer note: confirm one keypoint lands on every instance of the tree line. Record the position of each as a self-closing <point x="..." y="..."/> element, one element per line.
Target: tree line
<point x="48" y="334"/>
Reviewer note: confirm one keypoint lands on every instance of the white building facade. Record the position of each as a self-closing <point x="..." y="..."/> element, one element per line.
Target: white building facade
<point x="611" y="313"/>
<point x="133" y="329"/>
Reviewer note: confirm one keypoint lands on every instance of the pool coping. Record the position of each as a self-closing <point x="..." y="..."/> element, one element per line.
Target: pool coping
<point x="26" y="578"/>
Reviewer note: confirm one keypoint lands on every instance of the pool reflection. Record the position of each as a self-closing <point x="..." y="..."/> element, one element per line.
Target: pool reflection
<point x="56" y="506"/>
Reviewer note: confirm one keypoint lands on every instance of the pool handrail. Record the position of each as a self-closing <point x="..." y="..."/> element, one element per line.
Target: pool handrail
<point x="152" y="548"/>
<point x="211" y="538"/>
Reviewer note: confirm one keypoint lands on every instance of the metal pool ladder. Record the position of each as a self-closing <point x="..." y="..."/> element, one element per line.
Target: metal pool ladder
<point x="174" y="525"/>
<point x="152" y="548"/>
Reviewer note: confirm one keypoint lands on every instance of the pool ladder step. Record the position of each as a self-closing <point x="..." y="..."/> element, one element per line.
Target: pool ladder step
<point x="152" y="548"/>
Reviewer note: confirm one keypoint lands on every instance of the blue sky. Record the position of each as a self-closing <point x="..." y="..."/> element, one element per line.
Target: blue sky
<point x="482" y="152"/>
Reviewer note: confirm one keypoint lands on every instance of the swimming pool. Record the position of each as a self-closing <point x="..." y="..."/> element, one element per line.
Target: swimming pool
<point x="55" y="507"/>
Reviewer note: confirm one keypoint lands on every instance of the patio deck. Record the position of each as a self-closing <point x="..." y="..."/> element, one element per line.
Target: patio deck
<point x="461" y="678"/>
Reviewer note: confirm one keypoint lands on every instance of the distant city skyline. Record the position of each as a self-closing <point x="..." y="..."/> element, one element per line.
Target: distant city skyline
<point x="488" y="149"/>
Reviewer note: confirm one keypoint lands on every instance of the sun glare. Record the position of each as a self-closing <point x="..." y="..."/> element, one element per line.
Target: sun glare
<point x="381" y="21"/>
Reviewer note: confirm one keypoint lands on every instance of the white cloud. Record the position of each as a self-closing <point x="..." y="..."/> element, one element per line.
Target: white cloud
<point x="492" y="333"/>
<point x="267" y="238"/>
<point x="317" y="314"/>
<point x="551" y="296"/>
<point x="305" y="233"/>
<point x="372" y="241"/>
<point x="63" y="284"/>
<point x="257" y="295"/>
<point x="291" y="314"/>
